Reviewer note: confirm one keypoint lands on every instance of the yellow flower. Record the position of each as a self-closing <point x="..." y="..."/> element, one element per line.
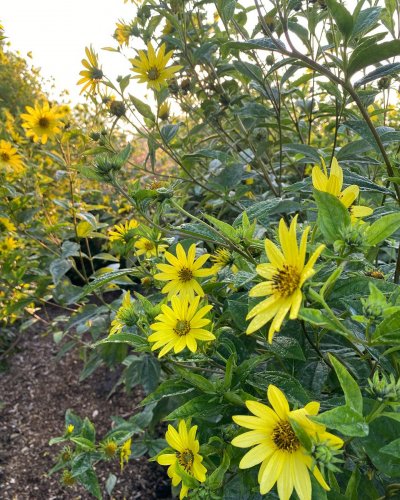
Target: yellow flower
<point x="124" y="31"/>
<point x="163" y="111"/>
<point x="125" y="452"/>
<point x="124" y="232"/>
<point x="9" y="158"/>
<point x="125" y="317"/>
<point x="182" y="273"/>
<point x="333" y="184"/>
<point x="8" y="244"/>
<point x="148" y="248"/>
<point x="92" y="75"/>
<point x="285" y="273"/>
<point x="283" y="459"/>
<point x="151" y="67"/>
<point x="109" y="448"/>
<point x="70" y="429"/>
<point x="180" y="326"/>
<point x="185" y="457"/>
<point x="221" y="258"/>
<point x="6" y="225"/>
<point x="42" y="122"/>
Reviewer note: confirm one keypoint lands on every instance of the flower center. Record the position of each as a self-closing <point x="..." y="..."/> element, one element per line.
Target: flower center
<point x="286" y="280"/>
<point x="185" y="274"/>
<point x="96" y="74"/>
<point x="182" y="327"/>
<point x="148" y="245"/>
<point x="5" y="156"/>
<point x="185" y="459"/>
<point x="285" y="438"/>
<point x="44" y="122"/>
<point x="153" y="73"/>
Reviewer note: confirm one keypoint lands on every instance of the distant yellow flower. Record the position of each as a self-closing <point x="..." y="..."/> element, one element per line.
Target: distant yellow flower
<point x="148" y="248"/>
<point x="6" y="225"/>
<point x="285" y="273"/>
<point x="283" y="459"/>
<point x="185" y="457"/>
<point x="125" y="317"/>
<point x="109" y="448"/>
<point x="182" y="273"/>
<point x="180" y="326"/>
<point x="124" y="31"/>
<point x="124" y="232"/>
<point x="221" y="258"/>
<point x="125" y="452"/>
<point x="151" y="67"/>
<point x="163" y="111"/>
<point x="42" y="122"/>
<point x="8" y="244"/>
<point x="10" y="160"/>
<point x="333" y="184"/>
<point x="93" y="74"/>
<point x="70" y="429"/>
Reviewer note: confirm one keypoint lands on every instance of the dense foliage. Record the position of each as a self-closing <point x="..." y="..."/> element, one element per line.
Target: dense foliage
<point x="239" y="257"/>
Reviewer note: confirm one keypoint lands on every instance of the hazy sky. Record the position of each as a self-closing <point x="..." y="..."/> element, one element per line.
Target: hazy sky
<point x="57" y="31"/>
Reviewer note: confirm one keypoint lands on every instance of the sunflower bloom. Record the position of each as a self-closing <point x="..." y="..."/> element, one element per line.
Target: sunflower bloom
<point x="182" y="271"/>
<point x="152" y="67"/>
<point x="93" y="74"/>
<point x="180" y="326"/>
<point x="285" y="273"/>
<point x="276" y="447"/>
<point x="333" y="184"/>
<point x="186" y="456"/>
<point x="123" y="232"/>
<point x="42" y="122"/>
<point x="148" y="248"/>
<point x="10" y="160"/>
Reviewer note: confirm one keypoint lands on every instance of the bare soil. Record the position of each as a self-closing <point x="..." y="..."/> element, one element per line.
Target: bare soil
<point x="35" y="392"/>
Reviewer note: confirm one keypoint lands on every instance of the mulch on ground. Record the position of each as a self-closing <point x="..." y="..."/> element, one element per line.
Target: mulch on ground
<point x="35" y="392"/>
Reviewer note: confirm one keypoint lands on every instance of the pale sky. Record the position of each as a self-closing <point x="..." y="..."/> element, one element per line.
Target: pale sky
<point x="57" y="31"/>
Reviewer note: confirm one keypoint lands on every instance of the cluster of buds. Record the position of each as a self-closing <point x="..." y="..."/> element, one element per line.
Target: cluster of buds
<point x="352" y="239"/>
<point x="325" y="456"/>
<point x="384" y="389"/>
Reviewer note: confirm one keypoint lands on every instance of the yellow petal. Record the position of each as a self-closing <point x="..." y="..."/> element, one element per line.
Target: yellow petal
<point x="278" y="401"/>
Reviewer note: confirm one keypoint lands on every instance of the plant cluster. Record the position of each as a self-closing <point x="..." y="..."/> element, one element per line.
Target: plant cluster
<point x="254" y="271"/>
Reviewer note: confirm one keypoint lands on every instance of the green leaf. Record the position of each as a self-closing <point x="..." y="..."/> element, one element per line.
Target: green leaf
<point x="196" y="380"/>
<point x="333" y="216"/>
<point x="373" y="54"/>
<point x="226" y="9"/>
<point x="352" y="485"/>
<point x="345" y="420"/>
<point x="392" y="448"/>
<point x="320" y="318"/>
<point x="310" y="154"/>
<point x="287" y="383"/>
<point x="216" y="478"/>
<point x="89" y="480"/>
<point x="342" y="17"/>
<point x="388" y="331"/>
<point x="387" y="69"/>
<point x="167" y="389"/>
<point x="143" y="108"/>
<point x="383" y="228"/>
<point x="168" y="132"/>
<point x="349" y="386"/>
<point x="225" y="228"/>
<point x="201" y="406"/>
<point x="132" y="339"/>
<point x="103" y="280"/>
<point x="110" y="483"/>
<point x="200" y="231"/>
<point x="58" y="268"/>
<point x="302" y="435"/>
<point x="83" y="443"/>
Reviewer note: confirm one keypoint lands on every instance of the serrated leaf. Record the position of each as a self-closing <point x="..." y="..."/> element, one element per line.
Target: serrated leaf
<point x="201" y="406"/>
<point x="373" y="54"/>
<point x="167" y="389"/>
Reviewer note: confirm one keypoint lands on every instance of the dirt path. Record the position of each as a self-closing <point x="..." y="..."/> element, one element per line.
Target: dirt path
<point x="34" y="395"/>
